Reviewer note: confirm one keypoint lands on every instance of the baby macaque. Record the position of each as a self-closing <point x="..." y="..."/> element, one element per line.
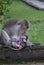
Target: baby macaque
<point x="14" y="33"/>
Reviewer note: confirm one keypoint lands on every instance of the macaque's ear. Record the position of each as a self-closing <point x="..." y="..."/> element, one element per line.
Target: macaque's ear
<point x="26" y="23"/>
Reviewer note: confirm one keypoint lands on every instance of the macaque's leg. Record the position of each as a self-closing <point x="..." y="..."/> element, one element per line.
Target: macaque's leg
<point x="29" y="43"/>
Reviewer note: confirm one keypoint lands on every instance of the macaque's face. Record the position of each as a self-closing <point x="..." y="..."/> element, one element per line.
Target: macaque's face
<point x="24" y="30"/>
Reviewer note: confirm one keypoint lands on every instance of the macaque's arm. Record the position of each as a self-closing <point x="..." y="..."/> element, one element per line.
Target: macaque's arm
<point x="6" y="38"/>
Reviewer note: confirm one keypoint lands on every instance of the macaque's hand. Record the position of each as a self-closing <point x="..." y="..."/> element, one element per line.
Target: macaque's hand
<point x="20" y="47"/>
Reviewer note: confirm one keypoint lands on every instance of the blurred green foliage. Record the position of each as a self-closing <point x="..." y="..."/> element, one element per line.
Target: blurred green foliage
<point x="4" y="8"/>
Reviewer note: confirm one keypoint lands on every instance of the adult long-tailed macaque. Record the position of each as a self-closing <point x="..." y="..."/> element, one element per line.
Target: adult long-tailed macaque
<point x="14" y="33"/>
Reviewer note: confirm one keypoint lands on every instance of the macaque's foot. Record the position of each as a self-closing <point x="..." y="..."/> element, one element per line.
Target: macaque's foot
<point x="33" y="45"/>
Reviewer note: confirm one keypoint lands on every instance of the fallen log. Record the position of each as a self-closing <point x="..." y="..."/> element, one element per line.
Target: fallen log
<point x="39" y="4"/>
<point x="27" y="53"/>
<point x="35" y="52"/>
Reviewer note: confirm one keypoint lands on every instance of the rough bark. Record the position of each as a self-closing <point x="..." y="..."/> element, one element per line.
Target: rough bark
<point x="35" y="52"/>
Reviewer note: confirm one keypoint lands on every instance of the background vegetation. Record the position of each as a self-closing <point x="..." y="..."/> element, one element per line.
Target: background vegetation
<point x="18" y="9"/>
